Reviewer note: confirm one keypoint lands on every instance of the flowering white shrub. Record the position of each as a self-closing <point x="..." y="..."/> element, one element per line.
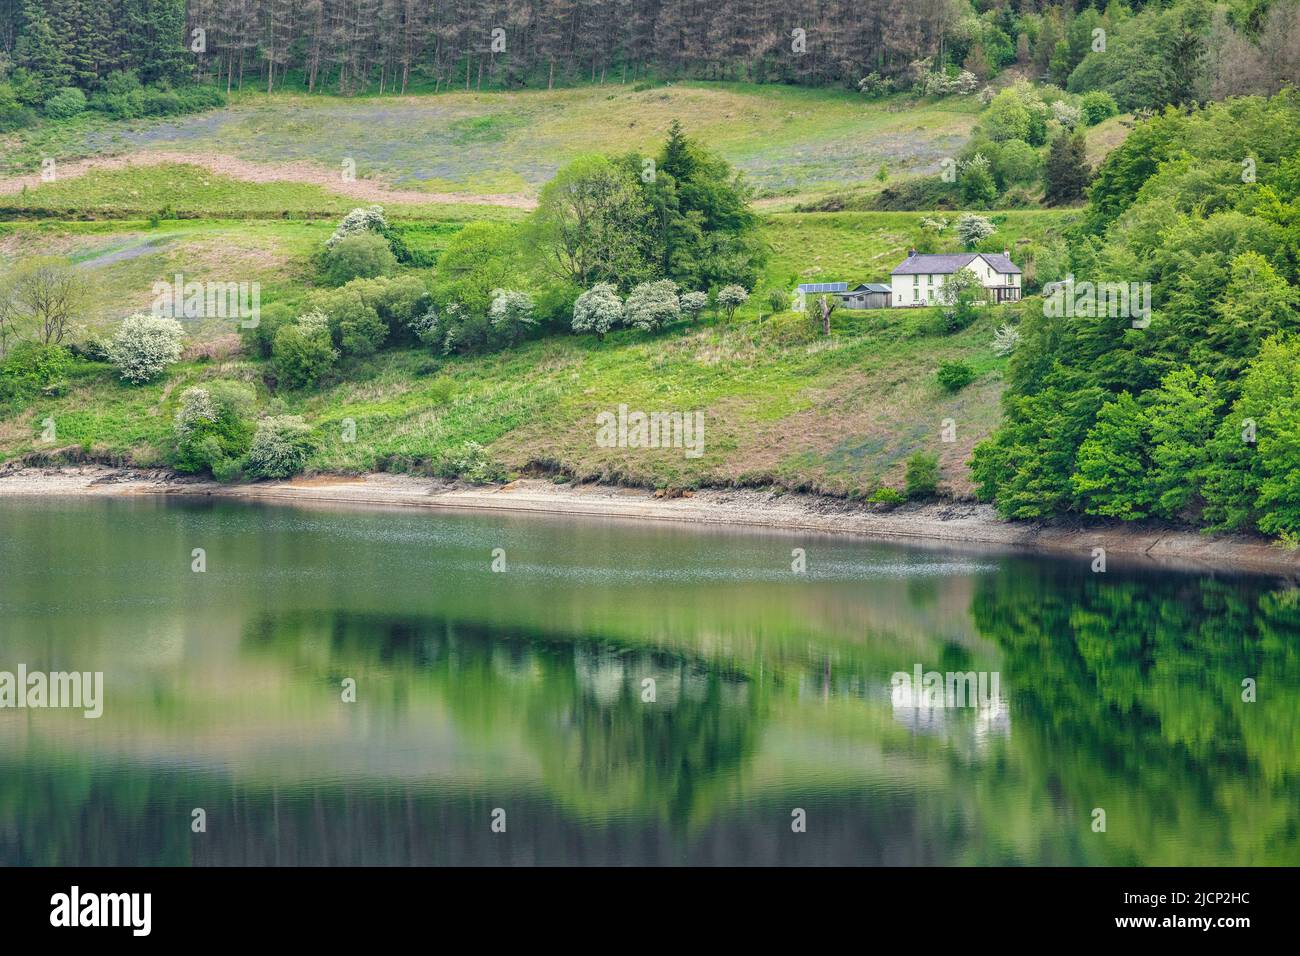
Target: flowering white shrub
<point x="1005" y="341"/>
<point x="972" y="229"/>
<point x="941" y="84"/>
<point x="730" y="298"/>
<point x="598" y="309"/>
<point x="427" y="327"/>
<point x="361" y="219"/>
<point x="873" y="85"/>
<point x="652" y="305"/>
<point x="144" y="346"/>
<point x="512" y="311"/>
<point x="693" y="303"/>
<point x="197" y="408"/>
<point x="1065" y="114"/>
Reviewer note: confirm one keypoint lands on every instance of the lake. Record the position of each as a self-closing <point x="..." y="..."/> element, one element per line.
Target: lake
<point x="402" y="687"/>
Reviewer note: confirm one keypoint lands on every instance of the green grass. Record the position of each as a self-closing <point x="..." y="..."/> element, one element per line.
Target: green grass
<point x="839" y="414"/>
<point x="123" y="260"/>
<point x="171" y="190"/>
<point x="788" y="140"/>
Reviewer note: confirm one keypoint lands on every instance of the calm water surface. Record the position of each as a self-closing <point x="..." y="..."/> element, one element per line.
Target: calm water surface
<point x="523" y="691"/>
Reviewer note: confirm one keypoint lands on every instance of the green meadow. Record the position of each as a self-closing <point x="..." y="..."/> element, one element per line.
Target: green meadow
<point x="787" y="140"/>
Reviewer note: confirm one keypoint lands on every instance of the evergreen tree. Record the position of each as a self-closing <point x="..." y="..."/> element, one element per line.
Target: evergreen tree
<point x="39" y="51"/>
<point x="1066" y="173"/>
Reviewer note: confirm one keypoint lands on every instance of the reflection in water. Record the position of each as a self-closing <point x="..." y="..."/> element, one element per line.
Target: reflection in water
<point x="626" y="695"/>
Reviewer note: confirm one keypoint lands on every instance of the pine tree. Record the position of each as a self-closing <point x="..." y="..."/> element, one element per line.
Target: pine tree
<point x="1066" y="174"/>
<point x="38" y="50"/>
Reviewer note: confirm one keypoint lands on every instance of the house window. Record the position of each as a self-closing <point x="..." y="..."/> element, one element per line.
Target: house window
<point x="916" y="281"/>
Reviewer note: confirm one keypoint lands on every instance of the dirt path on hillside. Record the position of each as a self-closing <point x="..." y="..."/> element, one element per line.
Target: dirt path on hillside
<point x="946" y="524"/>
<point x="365" y="190"/>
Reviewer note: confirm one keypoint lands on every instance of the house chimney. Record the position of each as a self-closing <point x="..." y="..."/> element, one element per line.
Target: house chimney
<point x="911" y="252"/>
<point x="1007" y="253"/>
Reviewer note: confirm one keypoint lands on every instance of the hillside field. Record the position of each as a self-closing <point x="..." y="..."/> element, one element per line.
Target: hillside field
<point x="788" y="141"/>
<point x="781" y="403"/>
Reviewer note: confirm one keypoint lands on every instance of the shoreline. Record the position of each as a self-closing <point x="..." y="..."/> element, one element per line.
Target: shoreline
<point x="957" y="524"/>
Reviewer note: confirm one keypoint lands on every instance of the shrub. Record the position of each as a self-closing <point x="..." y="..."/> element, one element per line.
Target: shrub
<point x="400" y="301"/>
<point x="144" y="346"/>
<point x="958" y="296"/>
<point x="31" y="367"/>
<point x="122" y="82"/>
<point x="973" y="229"/>
<point x="302" y="352"/>
<point x="66" y="103"/>
<point x="693" y="303"/>
<point x="359" y="221"/>
<point x="873" y="86"/>
<point x="1096" y="106"/>
<point x="259" y="339"/>
<point x="730" y="298"/>
<point x="466" y="332"/>
<point x="922" y="479"/>
<point x="597" y="310"/>
<point x="13" y="114"/>
<point x="511" y="312"/>
<point x="954" y="376"/>
<point x="213" y="428"/>
<point x="884" y="495"/>
<point x="1017" y="162"/>
<point x="123" y="96"/>
<point x="156" y="102"/>
<point x="428" y="328"/>
<point x="942" y="84"/>
<point x="361" y="256"/>
<point x="1005" y="340"/>
<point x="197" y="97"/>
<point x="652" y="305"/>
<point x="280" y="448"/>
<point x="1007" y="117"/>
<point x="1065" y="114"/>
<point x="471" y="463"/>
<point x="94" y="347"/>
<point x="978" y="187"/>
<point x="354" y="323"/>
<point x="779" y="300"/>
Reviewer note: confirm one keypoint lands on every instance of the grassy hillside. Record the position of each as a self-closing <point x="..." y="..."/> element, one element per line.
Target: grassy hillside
<point x="787" y="140"/>
<point x="781" y="403"/>
<point x="125" y="258"/>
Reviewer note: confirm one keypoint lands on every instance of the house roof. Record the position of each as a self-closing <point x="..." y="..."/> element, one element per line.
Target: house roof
<point x="873" y="287"/>
<point x="924" y="264"/>
<point x="823" y="287"/>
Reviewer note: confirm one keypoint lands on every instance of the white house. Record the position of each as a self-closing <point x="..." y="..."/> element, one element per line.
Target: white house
<point x="919" y="279"/>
